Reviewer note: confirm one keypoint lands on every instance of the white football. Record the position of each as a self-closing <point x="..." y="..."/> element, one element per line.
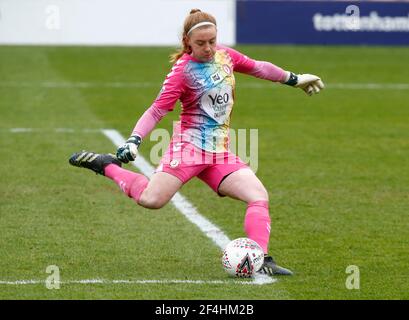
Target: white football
<point x="242" y="258"/>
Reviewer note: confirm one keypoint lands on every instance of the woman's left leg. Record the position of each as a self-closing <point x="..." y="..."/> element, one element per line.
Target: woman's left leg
<point x="245" y="186"/>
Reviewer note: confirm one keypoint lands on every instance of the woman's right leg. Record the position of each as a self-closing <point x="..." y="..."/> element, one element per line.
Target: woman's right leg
<point x="160" y="190"/>
<point x="151" y="194"/>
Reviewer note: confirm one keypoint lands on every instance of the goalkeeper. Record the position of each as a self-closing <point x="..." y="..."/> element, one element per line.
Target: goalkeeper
<point x="202" y="78"/>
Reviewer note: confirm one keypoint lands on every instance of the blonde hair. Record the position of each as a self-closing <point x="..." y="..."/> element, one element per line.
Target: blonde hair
<point x="195" y="16"/>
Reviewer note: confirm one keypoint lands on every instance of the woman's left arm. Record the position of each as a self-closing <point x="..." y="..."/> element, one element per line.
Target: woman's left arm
<point x="266" y="70"/>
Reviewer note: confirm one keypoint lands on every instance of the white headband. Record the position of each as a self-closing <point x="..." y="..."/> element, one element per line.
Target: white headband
<point x="201" y="24"/>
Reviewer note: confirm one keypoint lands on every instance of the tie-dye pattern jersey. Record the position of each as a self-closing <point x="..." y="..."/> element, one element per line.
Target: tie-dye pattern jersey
<point x="206" y="93"/>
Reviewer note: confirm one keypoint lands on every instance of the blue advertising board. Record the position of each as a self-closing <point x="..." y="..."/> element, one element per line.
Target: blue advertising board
<point x="322" y="22"/>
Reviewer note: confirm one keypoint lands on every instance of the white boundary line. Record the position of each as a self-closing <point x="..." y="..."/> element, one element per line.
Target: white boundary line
<point x="254" y="85"/>
<point x="54" y="130"/>
<point x="257" y="281"/>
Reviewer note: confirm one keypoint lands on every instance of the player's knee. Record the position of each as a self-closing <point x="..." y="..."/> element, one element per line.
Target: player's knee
<point x="155" y="205"/>
<point x="152" y="201"/>
<point x="260" y="193"/>
<point x="264" y="195"/>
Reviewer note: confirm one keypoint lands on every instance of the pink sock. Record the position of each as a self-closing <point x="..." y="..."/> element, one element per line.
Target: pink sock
<point x="257" y="223"/>
<point x="131" y="183"/>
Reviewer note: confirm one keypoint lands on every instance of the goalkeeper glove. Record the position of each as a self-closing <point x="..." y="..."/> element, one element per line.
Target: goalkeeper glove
<point x="307" y="82"/>
<point x="128" y="151"/>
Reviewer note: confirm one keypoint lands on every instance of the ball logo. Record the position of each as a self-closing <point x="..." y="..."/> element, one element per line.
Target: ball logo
<point x="245" y="267"/>
<point x="217" y="103"/>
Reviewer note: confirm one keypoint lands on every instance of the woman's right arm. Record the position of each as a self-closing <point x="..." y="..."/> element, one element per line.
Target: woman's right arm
<point x="170" y="92"/>
<point x="148" y="121"/>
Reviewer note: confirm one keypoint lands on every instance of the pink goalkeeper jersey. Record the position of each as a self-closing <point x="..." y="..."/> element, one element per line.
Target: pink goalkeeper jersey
<point x="206" y="93"/>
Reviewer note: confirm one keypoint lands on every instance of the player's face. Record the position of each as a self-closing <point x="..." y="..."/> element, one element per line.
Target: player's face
<point x="203" y="43"/>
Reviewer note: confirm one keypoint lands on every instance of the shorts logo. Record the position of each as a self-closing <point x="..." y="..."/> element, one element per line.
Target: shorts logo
<point x="174" y="163"/>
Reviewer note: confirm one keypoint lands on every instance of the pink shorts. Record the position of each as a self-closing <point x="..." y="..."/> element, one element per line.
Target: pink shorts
<point x="185" y="161"/>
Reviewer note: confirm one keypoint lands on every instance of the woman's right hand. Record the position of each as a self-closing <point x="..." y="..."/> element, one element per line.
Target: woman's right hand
<point x="129" y="150"/>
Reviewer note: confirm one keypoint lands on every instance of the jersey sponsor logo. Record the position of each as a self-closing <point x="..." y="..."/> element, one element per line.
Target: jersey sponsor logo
<point x="218" y="99"/>
<point x="217" y="103"/>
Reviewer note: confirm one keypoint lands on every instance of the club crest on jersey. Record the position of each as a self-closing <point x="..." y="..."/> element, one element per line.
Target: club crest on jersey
<point x="227" y="69"/>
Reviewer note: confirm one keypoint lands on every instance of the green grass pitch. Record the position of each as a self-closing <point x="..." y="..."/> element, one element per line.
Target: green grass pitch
<point x="335" y="164"/>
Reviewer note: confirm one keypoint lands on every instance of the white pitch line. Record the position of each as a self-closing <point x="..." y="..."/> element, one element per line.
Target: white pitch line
<point x="21" y="130"/>
<point x="79" y="85"/>
<point x="55" y="130"/>
<point x="182" y="204"/>
<point x="153" y="281"/>
<point x="254" y="85"/>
